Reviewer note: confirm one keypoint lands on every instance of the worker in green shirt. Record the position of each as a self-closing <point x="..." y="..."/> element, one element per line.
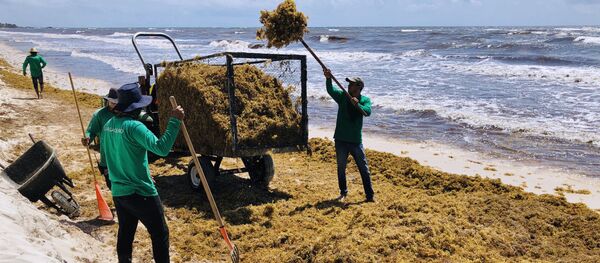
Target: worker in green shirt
<point x="99" y="118"/>
<point x="348" y="132"/>
<point x="36" y="63"/>
<point x="94" y="129"/>
<point x="127" y="142"/>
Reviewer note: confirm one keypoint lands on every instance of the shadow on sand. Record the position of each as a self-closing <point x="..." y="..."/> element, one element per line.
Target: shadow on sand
<point x="88" y="226"/>
<point x="232" y="195"/>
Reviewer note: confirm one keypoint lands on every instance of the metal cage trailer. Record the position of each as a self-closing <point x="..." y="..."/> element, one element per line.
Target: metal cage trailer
<point x="257" y="161"/>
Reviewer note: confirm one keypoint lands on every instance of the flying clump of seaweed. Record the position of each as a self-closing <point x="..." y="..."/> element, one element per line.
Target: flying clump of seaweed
<point x="283" y="25"/>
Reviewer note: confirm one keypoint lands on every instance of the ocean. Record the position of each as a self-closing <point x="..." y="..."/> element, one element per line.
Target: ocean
<point x="522" y="93"/>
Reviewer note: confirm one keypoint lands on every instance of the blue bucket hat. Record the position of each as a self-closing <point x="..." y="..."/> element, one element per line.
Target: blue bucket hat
<point x="131" y="98"/>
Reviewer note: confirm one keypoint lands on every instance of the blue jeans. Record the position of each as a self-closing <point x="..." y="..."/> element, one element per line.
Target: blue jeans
<point x="342" y="149"/>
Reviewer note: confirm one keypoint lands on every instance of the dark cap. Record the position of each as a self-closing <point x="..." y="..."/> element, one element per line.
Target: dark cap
<point x="112" y="96"/>
<point x="358" y="81"/>
<point x="131" y="98"/>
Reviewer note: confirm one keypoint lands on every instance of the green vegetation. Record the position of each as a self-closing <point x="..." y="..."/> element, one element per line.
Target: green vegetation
<point x="7" y="25"/>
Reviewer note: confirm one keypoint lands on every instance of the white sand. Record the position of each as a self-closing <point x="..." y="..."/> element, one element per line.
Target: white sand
<point x="28" y="234"/>
<point x="55" y="77"/>
<point x="531" y="177"/>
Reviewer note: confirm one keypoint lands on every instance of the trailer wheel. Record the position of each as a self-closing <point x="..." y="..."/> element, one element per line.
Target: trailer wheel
<point x="66" y="203"/>
<point x="260" y="168"/>
<point x="194" y="177"/>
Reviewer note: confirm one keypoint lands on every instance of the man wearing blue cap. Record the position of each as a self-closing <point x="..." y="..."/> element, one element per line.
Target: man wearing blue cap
<point x="127" y="142"/>
<point x="101" y="117"/>
<point x="348" y="132"/>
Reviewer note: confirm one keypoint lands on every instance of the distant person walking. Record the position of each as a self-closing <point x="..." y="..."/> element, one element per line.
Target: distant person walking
<point x="36" y="64"/>
<point x="348" y="132"/>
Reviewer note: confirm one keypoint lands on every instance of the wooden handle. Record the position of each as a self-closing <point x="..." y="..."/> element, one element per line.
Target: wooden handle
<point x="31" y="137"/>
<point x="81" y="122"/>
<point x="209" y="195"/>
<point x="332" y="76"/>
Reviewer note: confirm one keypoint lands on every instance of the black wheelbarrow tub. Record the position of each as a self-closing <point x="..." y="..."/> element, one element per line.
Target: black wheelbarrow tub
<point x="36" y="171"/>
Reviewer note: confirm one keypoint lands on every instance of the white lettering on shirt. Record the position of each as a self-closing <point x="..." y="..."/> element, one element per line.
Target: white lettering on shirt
<point x="113" y="130"/>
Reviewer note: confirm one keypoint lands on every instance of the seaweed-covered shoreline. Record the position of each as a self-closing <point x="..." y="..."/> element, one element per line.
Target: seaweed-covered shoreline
<point x="422" y="214"/>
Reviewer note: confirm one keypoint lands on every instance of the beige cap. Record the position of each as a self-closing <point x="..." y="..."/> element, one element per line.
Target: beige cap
<point x="33" y="50"/>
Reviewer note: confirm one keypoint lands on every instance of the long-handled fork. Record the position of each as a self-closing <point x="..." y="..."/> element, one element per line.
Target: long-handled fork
<point x="233" y="250"/>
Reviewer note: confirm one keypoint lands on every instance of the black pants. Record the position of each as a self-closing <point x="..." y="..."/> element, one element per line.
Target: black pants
<point x="149" y="210"/>
<point x="39" y="80"/>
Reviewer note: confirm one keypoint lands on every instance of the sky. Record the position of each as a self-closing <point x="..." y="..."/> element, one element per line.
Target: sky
<point x="245" y="13"/>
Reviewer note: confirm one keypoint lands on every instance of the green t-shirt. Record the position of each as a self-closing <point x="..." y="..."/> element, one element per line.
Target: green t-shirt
<point x="348" y="126"/>
<point x="36" y="64"/>
<point x="94" y="129"/>
<point x="128" y="142"/>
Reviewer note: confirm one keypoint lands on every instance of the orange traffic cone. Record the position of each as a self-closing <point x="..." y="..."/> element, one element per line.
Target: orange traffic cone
<point x="105" y="213"/>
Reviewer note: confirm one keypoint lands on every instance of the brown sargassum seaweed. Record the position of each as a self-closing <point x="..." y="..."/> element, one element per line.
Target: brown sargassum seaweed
<point x="265" y="113"/>
<point x="282" y="26"/>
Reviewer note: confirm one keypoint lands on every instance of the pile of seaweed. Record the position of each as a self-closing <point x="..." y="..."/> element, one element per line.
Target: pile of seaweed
<point x="421" y="215"/>
<point x="283" y="25"/>
<point x="265" y="114"/>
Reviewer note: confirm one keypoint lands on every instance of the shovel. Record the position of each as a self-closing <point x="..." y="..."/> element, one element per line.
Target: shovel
<point x="105" y="213"/>
<point x="233" y="250"/>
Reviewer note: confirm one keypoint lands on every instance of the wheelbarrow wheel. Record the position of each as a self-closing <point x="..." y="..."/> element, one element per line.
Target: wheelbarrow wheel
<point x="66" y="203"/>
<point x="194" y="177"/>
<point x="260" y="168"/>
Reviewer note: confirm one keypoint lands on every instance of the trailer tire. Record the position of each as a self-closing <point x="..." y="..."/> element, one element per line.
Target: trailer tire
<point x="261" y="169"/>
<point x="209" y="173"/>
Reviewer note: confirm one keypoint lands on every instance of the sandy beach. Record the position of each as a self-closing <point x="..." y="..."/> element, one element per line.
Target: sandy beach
<point x="430" y="204"/>
<point x="53" y="76"/>
<point x="531" y="177"/>
<point x="27" y="232"/>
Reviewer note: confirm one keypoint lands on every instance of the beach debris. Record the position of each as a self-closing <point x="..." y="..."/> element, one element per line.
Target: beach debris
<point x="264" y="110"/>
<point x="569" y="190"/>
<point x="282" y="26"/>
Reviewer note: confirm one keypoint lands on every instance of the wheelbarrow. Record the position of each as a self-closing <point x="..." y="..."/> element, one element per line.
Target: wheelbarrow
<point x="38" y="171"/>
<point x="257" y="161"/>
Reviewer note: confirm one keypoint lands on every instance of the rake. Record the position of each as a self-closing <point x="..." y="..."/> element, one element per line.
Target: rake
<point x="233" y="250"/>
